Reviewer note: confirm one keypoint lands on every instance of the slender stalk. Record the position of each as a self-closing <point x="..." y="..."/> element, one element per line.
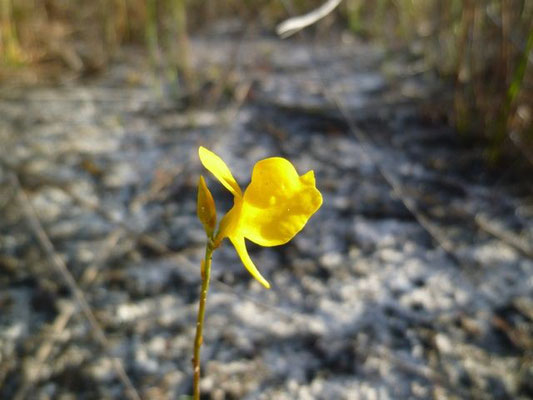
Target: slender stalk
<point x="152" y="39"/>
<point x="181" y="54"/>
<point x="206" y="273"/>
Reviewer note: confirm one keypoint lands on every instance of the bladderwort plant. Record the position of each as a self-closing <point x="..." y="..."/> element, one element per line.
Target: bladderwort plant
<point x="275" y="206"/>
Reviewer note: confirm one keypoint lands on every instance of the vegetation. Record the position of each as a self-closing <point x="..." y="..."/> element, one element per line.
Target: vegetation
<point x="483" y="47"/>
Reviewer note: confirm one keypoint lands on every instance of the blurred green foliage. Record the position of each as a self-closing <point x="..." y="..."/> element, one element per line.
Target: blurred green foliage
<point x="482" y="46"/>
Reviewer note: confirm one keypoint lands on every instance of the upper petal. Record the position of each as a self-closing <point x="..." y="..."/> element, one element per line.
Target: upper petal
<point x="218" y="167"/>
<point x="278" y="202"/>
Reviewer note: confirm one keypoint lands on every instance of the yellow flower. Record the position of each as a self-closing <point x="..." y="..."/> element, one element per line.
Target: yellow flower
<point x="275" y="206"/>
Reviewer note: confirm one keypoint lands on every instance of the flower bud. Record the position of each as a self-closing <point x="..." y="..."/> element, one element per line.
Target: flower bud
<point x="206" y="210"/>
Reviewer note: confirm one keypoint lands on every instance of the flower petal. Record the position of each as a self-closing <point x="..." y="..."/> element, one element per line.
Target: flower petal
<point x="277" y="203"/>
<point x="240" y="246"/>
<point x="219" y="169"/>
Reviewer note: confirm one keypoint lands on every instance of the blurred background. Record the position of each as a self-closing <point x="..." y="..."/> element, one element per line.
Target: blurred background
<point x="414" y="280"/>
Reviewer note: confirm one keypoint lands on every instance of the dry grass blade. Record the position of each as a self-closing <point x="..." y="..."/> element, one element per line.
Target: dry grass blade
<point x="45" y="350"/>
<point x="293" y="25"/>
<point x="61" y="267"/>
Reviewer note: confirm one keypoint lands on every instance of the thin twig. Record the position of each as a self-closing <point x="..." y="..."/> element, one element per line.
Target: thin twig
<point x="60" y="266"/>
<point x="509" y="238"/>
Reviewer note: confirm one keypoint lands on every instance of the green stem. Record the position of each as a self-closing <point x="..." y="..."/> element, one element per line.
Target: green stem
<point x="206" y="273"/>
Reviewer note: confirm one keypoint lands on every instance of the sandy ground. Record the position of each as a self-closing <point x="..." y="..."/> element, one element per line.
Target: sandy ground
<point x="414" y="280"/>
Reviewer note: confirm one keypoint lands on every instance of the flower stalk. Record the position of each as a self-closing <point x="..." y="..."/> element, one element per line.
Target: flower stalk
<point x="198" y="339"/>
